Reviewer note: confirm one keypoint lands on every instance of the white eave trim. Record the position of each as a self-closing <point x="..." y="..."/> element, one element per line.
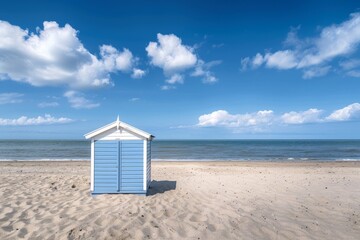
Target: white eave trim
<point x="118" y="124"/>
<point x="100" y="130"/>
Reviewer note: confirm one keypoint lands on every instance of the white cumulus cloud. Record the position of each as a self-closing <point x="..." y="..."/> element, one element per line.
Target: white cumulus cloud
<point x="347" y="113"/>
<point x="264" y="119"/>
<point x="281" y="59"/>
<point x="40" y="120"/>
<point x="114" y="60"/>
<point x="55" y="55"/>
<point x="173" y="57"/>
<point x="6" y="98"/>
<point x="225" y="119"/>
<point x="138" y="73"/>
<point x="77" y="100"/>
<point x="311" y="54"/>
<point x="310" y="116"/>
<point x="170" y="54"/>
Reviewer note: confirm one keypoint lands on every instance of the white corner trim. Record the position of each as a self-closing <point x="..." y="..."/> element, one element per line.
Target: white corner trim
<point x="145" y="163"/>
<point x="100" y="130"/>
<point x="92" y="175"/>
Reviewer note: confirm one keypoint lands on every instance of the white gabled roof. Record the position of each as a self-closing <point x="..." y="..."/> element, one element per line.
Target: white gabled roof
<point x="118" y="124"/>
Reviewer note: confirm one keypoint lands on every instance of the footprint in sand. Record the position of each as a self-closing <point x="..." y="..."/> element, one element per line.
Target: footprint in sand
<point x="22" y="232"/>
<point x="8" y="228"/>
<point x="211" y="228"/>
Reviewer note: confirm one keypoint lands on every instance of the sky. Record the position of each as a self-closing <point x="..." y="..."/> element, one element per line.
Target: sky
<point x="181" y="69"/>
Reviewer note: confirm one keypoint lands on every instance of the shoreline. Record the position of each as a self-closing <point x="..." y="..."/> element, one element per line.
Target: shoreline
<point x="234" y="164"/>
<point x="197" y="160"/>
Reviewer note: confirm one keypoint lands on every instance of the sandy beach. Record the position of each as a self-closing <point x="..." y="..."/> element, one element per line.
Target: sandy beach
<point x="188" y="200"/>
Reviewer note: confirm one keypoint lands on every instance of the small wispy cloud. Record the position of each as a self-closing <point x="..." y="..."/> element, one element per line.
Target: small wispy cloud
<point x="8" y="98"/>
<point x="78" y="101"/>
<point x="176" y="78"/>
<point x="48" y="104"/>
<point x="135" y="99"/>
<point x="30" y="121"/>
<point x="316" y="72"/>
<point x="202" y="69"/>
<point x="167" y="87"/>
<point x="218" y="45"/>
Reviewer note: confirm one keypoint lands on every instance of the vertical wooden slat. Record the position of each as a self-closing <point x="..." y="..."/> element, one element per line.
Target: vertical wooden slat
<point x="149" y="163"/>
<point x="119" y="166"/>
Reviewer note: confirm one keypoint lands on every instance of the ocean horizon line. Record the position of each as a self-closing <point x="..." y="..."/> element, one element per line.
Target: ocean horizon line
<point x="189" y="139"/>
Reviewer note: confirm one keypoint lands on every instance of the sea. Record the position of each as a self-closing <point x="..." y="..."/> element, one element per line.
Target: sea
<point x="192" y="150"/>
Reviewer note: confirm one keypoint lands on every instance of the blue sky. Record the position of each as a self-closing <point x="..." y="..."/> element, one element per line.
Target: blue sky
<point x="181" y="69"/>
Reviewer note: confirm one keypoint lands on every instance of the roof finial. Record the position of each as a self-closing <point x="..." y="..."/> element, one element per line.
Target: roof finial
<point x="118" y="122"/>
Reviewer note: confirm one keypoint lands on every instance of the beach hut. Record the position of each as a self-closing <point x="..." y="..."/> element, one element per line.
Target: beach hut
<point x="120" y="159"/>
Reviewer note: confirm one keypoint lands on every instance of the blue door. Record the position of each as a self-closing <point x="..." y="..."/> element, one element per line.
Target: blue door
<point x="106" y="168"/>
<point x="119" y="167"/>
<point x="132" y="166"/>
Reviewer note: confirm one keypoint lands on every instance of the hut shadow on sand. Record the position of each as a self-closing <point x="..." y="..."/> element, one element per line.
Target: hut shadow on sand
<point x="157" y="187"/>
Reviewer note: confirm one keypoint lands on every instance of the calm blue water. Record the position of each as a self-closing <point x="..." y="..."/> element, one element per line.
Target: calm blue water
<point x="244" y="150"/>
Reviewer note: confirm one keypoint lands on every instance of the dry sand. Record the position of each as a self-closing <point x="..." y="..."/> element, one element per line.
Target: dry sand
<point x="209" y="200"/>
